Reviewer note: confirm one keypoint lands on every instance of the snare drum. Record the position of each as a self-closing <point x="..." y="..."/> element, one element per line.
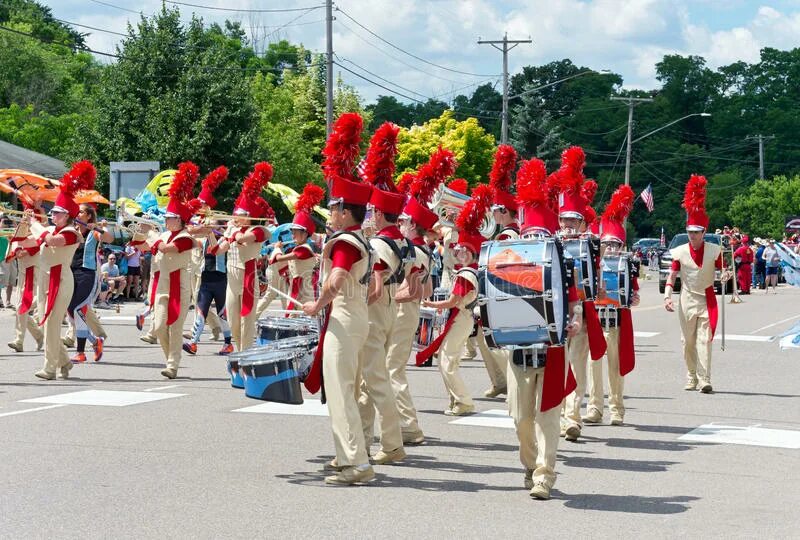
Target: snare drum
<point x="308" y="343"/>
<point x="583" y="253"/>
<point x="524" y="293"/>
<point x="273" y="375"/>
<point x="424" y="335"/>
<point x="235" y="373"/>
<point x="615" y="272"/>
<point x="277" y="328"/>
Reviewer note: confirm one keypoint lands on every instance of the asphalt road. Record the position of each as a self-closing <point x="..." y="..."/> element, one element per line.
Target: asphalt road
<point x="189" y="466"/>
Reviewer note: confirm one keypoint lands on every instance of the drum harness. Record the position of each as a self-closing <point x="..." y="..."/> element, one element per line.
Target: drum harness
<point x="364" y="280"/>
<point x="404" y="254"/>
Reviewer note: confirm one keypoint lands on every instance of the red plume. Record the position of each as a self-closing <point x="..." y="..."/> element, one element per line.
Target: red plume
<point x="215" y="178"/>
<point x="531" y="183"/>
<point x="379" y="162"/>
<point x="475" y="209"/>
<point x="441" y="165"/>
<point x="258" y="179"/>
<point x="505" y="161"/>
<point x="80" y="177"/>
<point x="342" y="148"/>
<point x="195" y="205"/>
<point x="459" y="185"/>
<point x="694" y="198"/>
<point x="182" y="186"/>
<point x="620" y="205"/>
<point x="312" y="195"/>
<point x="553" y="185"/>
<point x="404" y="183"/>
<point x="573" y="159"/>
<point x="589" y="191"/>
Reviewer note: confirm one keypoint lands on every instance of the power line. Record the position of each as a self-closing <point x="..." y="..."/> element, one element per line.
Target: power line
<point x="70" y="46"/>
<point x="241" y="10"/>
<point x="377" y="84"/>
<point x="412" y="55"/>
<point x="379" y="77"/>
<point x="621" y="126"/>
<point x="116" y="7"/>
<point x="92" y="28"/>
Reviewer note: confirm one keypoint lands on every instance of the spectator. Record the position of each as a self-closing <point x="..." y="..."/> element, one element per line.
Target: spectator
<point x="134" y="258"/>
<point x="772" y="261"/>
<point x="760" y="266"/>
<point x="8" y="273"/>
<point x="112" y="283"/>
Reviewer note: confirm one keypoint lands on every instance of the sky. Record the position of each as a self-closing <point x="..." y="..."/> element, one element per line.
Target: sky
<point x="624" y="36"/>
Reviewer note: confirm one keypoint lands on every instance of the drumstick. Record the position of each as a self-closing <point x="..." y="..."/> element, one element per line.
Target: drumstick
<point x="282" y="294"/>
<point x="290" y="311"/>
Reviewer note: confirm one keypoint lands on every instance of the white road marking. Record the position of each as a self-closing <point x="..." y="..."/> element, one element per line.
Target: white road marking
<point x="130" y="318"/>
<point x="750" y="435"/>
<point x="310" y="407"/>
<point x="787" y="319"/>
<point x="103" y="398"/>
<point x="645" y="334"/>
<point x="740" y="337"/>
<point x="497" y="418"/>
<point x="161" y="388"/>
<point x="33" y="410"/>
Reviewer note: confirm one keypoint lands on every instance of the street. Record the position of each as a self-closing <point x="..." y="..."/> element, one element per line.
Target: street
<point x="196" y="458"/>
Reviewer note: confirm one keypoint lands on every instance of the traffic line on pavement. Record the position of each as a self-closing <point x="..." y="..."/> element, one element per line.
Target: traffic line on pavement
<point x="103" y="398"/>
<point x="310" y="407"/>
<point x="497" y="418"/>
<point x="32" y="410"/>
<point x="750" y="436"/>
<point x="645" y="334"/>
<point x="787" y="319"/>
<point x="740" y="337"/>
<point x="161" y="388"/>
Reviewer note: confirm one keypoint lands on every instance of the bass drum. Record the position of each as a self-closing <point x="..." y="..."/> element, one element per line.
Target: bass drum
<point x="523" y="287"/>
<point x="583" y="253"/>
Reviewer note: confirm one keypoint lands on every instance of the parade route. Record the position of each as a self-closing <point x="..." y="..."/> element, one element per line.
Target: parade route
<point x="118" y="451"/>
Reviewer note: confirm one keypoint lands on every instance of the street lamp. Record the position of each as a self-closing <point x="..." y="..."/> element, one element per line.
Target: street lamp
<point x="630" y="142"/>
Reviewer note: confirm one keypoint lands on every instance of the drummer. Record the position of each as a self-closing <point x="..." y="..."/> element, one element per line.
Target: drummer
<point x="536" y="383"/>
<point x="301" y="260"/>
<point x="416" y="222"/>
<point x="618" y="328"/>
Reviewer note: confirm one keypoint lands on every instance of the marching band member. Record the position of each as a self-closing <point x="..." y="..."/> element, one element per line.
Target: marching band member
<point x="743" y="256"/>
<point x="346" y="267"/>
<point x="571" y="207"/>
<point x="195" y="281"/>
<point x="389" y="269"/>
<point x="84" y="272"/>
<point x="25" y="250"/>
<point x="277" y="279"/>
<point x="302" y="261"/>
<point x="449" y="237"/>
<point x="172" y="253"/>
<point x="213" y="281"/>
<point x="537" y="383"/>
<point x="695" y="263"/>
<point x="416" y="221"/>
<point x="616" y="321"/>
<point x="462" y="300"/>
<point x="58" y="244"/>
<point x="242" y="242"/>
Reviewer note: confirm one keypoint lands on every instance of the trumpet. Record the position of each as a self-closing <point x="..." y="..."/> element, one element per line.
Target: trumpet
<point x="447" y="203"/>
<point x="11" y="214"/>
<point x="221" y="216"/>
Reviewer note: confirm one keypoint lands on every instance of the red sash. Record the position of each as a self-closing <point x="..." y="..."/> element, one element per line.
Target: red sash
<point x="594" y="330"/>
<point x="248" y="291"/>
<point x="27" y="291"/>
<point x="711" y="302"/>
<point x="430" y="350"/>
<point x="153" y="289"/>
<point x="313" y="380"/>
<point x="52" y="291"/>
<point x="554" y="377"/>
<point x="174" y="304"/>
<point x="297" y="282"/>
<point x="627" y="353"/>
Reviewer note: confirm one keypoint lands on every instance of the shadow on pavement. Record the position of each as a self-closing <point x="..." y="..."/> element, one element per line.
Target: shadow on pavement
<point x="462" y="445"/>
<point x="755" y="394"/>
<point x="150" y="366"/>
<point x="650" y="444"/>
<point x="628" y="465"/>
<point x="630" y="504"/>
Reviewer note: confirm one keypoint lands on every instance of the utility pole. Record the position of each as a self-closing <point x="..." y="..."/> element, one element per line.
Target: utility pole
<point x="631" y="101"/>
<point x="329" y="66"/>
<point x="760" y="138"/>
<point x="504" y="49"/>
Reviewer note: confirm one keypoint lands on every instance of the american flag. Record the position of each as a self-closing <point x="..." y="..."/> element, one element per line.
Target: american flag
<point x="647" y="197"/>
<point x="361" y="168"/>
<point x="663" y="241"/>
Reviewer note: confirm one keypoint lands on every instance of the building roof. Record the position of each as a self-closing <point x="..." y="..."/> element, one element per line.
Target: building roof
<point x="16" y="157"/>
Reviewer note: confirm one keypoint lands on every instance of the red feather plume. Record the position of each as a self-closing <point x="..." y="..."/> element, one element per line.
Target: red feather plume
<point x="379" y="163"/>
<point x="80" y="177"/>
<point x="620" y="205"/>
<point x="570" y="176"/>
<point x="531" y="183"/>
<point x="475" y="209"/>
<point x="257" y="179"/>
<point x="694" y="198"/>
<point x="404" y="183"/>
<point x="441" y="165"/>
<point x="182" y="186"/>
<point x="459" y="185"/>
<point x="215" y="178"/>
<point x="342" y="148"/>
<point x="195" y="205"/>
<point x="312" y="195"/>
<point x="553" y="186"/>
<point x="589" y="191"/>
<point x="505" y="161"/>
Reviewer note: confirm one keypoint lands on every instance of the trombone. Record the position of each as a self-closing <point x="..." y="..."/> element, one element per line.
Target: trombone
<point x="222" y="216"/>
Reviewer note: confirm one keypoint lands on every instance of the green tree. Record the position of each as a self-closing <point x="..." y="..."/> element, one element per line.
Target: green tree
<point x="485" y="104"/>
<point x="389" y="109"/>
<point x="43" y="133"/>
<point x="472" y="146"/>
<point x="763" y="208"/>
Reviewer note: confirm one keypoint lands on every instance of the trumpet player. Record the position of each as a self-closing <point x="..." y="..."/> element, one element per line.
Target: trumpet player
<point x="24" y="249"/>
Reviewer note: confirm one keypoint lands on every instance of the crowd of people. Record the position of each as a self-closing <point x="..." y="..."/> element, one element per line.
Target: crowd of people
<point x="367" y="276"/>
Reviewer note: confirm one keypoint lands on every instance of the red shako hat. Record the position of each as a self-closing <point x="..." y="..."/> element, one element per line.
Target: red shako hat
<point x="612" y="228"/>
<point x="311" y="196"/>
<point x="505" y="161"/>
<point x="694" y="201"/>
<point x="341" y="153"/>
<point x="80" y="177"/>
<point x="471" y="217"/>
<point x="181" y="192"/>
